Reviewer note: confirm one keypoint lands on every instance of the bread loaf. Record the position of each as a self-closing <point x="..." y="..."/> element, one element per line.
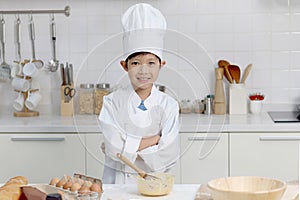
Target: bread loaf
<point x="11" y="190"/>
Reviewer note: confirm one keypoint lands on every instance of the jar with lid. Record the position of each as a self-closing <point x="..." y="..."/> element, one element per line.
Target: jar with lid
<point x="185" y="106"/>
<point x="86" y="98"/>
<point x="101" y="90"/>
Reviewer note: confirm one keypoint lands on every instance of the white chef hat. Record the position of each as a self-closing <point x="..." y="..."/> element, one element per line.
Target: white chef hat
<point x="144" y="28"/>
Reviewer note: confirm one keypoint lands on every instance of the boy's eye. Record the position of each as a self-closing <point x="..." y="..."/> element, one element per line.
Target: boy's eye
<point x="134" y="63"/>
<point x="151" y="63"/>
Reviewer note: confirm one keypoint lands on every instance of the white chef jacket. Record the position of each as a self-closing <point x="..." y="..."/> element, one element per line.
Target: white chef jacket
<point x="123" y="126"/>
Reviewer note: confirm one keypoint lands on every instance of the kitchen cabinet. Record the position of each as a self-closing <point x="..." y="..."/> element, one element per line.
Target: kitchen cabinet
<point x="273" y="155"/>
<point x="95" y="159"/>
<point x="39" y="157"/>
<point x="204" y="156"/>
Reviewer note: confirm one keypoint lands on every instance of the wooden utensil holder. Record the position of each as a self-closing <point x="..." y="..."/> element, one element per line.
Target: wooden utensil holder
<point x="66" y="107"/>
<point x="26" y="112"/>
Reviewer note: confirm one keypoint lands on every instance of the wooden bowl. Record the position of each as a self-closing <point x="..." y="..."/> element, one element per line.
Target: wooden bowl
<point x="161" y="187"/>
<point x="246" y="188"/>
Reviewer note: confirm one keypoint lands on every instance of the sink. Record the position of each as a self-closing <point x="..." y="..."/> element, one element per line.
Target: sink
<point x="285" y="116"/>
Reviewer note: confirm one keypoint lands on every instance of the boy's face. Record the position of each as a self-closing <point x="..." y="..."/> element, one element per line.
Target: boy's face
<point x="143" y="70"/>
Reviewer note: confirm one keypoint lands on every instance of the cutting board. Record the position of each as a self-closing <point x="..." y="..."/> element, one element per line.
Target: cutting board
<point x="291" y="192"/>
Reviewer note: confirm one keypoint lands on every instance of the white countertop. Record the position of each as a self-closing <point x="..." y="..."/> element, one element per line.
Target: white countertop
<point x="189" y="123"/>
<point x="130" y="192"/>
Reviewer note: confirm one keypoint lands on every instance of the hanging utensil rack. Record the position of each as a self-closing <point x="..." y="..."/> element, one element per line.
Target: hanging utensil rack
<point x="65" y="11"/>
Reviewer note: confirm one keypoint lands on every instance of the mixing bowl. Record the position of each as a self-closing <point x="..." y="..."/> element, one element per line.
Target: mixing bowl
<point x="156" y="187"/>
<point x="246" y="188"/>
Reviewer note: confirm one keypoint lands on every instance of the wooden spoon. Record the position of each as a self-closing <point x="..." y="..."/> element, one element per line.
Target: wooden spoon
<point x="235" y="72"/>
<point x="141" y="172"/>
<point x="246" y="73"/>
<point x="224" y="64"/>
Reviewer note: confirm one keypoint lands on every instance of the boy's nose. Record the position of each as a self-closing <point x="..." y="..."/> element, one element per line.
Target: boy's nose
<point x="144" y="68"/>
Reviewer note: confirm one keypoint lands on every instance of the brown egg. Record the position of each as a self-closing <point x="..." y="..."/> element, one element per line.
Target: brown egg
<point x="61" y="182"/>
<point x="89" y="183"/>
<point x="84" y="188"/>
<point x="68" y="184"/>
<point x="96" y="188"/>
<point x="75" y="187"/>
<point x="54" y="181"/>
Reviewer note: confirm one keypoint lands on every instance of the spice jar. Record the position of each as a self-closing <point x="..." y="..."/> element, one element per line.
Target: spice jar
<point x="101" y="90"/>
<point x="86" y="99"/>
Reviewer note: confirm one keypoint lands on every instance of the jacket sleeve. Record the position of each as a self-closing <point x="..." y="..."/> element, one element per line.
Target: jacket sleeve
<point x="164" y="155"/>
<point x="115" y="139"/>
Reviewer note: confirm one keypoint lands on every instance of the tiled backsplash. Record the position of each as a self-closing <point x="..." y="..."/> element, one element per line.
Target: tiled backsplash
<point x="263" y="32"/>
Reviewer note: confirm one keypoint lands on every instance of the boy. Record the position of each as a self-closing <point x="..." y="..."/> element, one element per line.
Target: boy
<point x="138" y="120"/>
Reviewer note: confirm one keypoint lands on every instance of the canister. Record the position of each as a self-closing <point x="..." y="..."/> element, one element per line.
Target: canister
<point x="237" y="99"/>
<point x="101" y="90"/>
<point x="86" y="98"/>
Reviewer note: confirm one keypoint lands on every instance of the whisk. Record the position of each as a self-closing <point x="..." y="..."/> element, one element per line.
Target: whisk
<point x="141" y="172"/>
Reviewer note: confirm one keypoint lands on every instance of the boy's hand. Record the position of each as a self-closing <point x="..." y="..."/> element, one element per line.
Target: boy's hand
<point x="149" y="141"/>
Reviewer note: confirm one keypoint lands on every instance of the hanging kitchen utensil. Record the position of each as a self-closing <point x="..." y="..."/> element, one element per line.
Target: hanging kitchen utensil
<point x="246" y="73"/>
<point x="53" y="63"/>
<point x="142" y="173"/>
<point x="17" y="66"/>
<point x="39" y="63"/>
<point x="5" y="70"/>
<point x="235" y="73"/>
<point x="224" y="64"/>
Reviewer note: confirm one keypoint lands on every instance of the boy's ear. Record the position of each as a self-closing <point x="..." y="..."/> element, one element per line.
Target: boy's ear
<point x="163" y="62"/>
<point x="124" y="65"/>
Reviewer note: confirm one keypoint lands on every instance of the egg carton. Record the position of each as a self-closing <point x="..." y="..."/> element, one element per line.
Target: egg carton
<point x="40" y="192"/>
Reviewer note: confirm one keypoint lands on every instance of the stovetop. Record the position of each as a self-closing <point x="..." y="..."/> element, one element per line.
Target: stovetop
<point x="285" y="116"/>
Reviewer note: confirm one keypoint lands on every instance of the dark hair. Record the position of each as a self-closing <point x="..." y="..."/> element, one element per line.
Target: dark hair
<point x="140" y="53"/>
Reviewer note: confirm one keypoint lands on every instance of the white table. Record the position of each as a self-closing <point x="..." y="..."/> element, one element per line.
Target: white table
<point x="130" y="192"/>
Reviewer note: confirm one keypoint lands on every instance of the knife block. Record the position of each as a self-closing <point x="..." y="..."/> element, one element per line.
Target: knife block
<point x="66" y="107"/>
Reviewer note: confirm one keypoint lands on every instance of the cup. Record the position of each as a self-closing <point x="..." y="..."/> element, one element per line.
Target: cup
<point x="30" y="69"/>
<point x="20" y="84"/>
<point x="33" y="100"/>
<point x="255" y="106"/>
<point x="18" y="103"/>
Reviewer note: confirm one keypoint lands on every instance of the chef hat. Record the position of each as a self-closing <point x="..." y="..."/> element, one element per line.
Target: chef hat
<point x="144" y="28"/>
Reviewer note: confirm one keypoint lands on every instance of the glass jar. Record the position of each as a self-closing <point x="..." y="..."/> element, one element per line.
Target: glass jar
<point x="86" y="98"/>
<point x="185" y="106"/>
<point x="101" y="90"/>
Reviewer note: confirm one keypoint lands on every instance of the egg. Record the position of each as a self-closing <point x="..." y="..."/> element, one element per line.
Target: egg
<point x="61" y="182"/>
<point x="75" y="187"/>
<point x="89" y="183"/>
<point x="84" y="188"/>
<point x="68" y="184"/>
<point x="96" y="188"/>
<point x="54" y="181"/>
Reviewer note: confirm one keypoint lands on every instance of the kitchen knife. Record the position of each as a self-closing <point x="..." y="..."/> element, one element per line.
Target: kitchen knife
<point x="62" y="70"/>
<point x="70" y="74"/>
<point x="67" y="74"/>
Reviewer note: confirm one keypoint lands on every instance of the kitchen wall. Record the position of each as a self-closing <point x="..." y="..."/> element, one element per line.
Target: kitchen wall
<point x="263" y="32"/>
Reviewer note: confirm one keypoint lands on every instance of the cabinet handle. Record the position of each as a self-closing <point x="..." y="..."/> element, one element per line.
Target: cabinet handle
<point x="203" y="138"/>
<point x="279" y="138"/>
<point x="24" y="138"/>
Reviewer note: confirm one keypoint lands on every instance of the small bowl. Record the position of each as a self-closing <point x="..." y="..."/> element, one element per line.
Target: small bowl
<point x="246" y="188"/>
<point x="150" y="187"/>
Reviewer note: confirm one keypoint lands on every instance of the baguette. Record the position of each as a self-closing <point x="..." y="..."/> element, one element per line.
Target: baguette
<point x="11" y="190"/>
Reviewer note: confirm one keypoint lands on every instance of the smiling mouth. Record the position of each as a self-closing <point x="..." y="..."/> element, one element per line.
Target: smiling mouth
<point x="143" y="79"/>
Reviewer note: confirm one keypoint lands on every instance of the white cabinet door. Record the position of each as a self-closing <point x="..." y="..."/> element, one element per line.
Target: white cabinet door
<point x="94" y="157"/>
<point x="39" y="157"/>
<point x="273" y="155"/>
<point x="204" y="157"/>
